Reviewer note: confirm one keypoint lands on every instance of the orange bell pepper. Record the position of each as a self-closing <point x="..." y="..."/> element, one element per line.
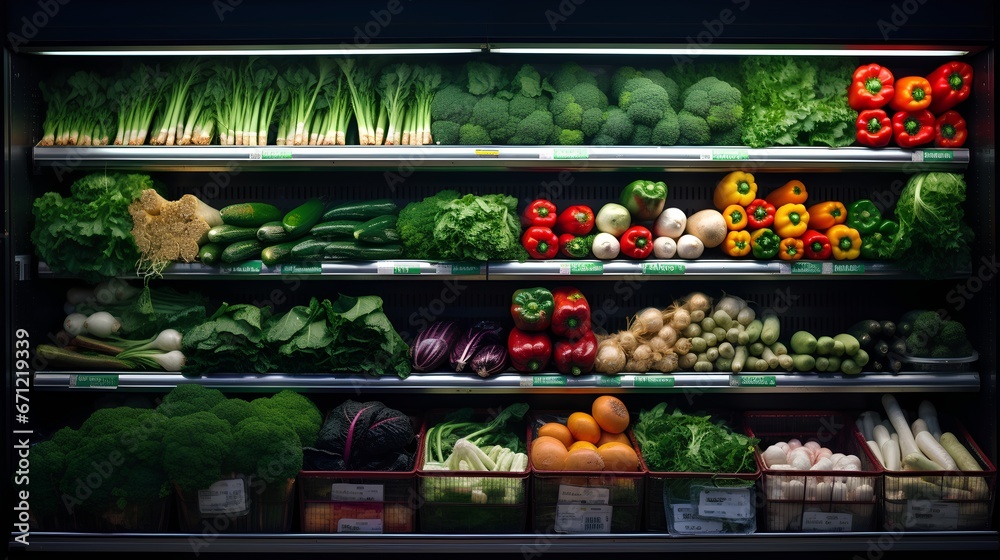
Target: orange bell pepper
<point x="737" y="243"/>
<point x="792" y="192"/>
<point x="736" y="217"/>
<point x="912" y="93"/>
<point x="823" y="215"/>
<point x="791" y="249"/>
<point x="845" y="242"/>
<point x="791" y="220"/>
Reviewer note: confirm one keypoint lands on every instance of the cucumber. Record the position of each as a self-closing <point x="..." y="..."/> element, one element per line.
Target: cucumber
<point x="210" y="253"/>
<point x="335" y="229"/>
<point x="242" y="250"/>
<point x="227" y="234"/>
<point x="362" y="210"/>
<point x="273" y="231"/>
<point x="250" y="214"/>
<point x="824" y="345"/>
<point x="380" y="230"/>
<point x="302" y="218"/>
<point x="355" y="250"/>
<point x="803" y="342"/>
<point x="274" y="254"/>
<point x="309" y="248"/>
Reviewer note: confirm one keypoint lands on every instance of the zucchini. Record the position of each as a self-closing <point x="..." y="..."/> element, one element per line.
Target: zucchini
<point x="380" y="230"/>
<point x="362" y="210"/>
<point x="210" y="253"/>
<point x="273" y="231"/>
<point x="250" y="214"/>
<point x="274" y="254"/>
<point x="335" y="229"/>
<point x="309" y="248"/>
<point x="242" y="250"/>
<point x="354" y="250"/>
<point x="227" y="234"/>
<point x="303" y="217"/>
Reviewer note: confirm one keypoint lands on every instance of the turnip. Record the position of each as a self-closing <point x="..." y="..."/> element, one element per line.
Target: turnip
<point x="613" y="218"/>
<point x="606" y="246"/>
<point x="664" y="247"/>
<point x="709" y="226"/>
<point x="670" y="223"/>
<point x="690" y="246"/>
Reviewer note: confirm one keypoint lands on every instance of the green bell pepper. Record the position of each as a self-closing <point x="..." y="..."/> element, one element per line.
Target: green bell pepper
<point x="764" y="243"/>
<point x="644" y="199"/>
<point x="864" y="216"/>
<point x="878" y="245"/>
<point x="531" y="308"/>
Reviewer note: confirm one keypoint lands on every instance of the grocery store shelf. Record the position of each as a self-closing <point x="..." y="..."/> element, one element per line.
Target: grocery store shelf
<point x="527" y="544"/>
<point x="445" y="383"/>
<point x="485" y="158"/>
<point x="511" y="270"/>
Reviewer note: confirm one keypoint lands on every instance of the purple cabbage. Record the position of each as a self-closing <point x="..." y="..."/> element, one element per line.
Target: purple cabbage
<point x="490" y="359"/>
<point x="363" y="436"/>
<point x="432" y="345"/>
<point x="475" y="337"/>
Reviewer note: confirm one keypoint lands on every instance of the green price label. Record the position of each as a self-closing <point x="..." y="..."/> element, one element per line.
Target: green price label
<point x="609" y="381"/>
<point x="586" y="268"/>
<point x="939" y="155"/>
<point x="301" y="268"/>
<point x="754" y="381"/>
<point x="807" y="268"/>
<point x="465" y="269"/>
<point x="663" y="268"/>
<point x="570" y="153"/>
<point x="97" y="381"/>
<point x="653" y="381"/>
<point x="548" y="381"/>
<point x="276" y="154"/>
<point x="405" y="269"/>
<point x="730" y="155"/>
<point x="848" y="268"/>
<point x="248" y="267"/>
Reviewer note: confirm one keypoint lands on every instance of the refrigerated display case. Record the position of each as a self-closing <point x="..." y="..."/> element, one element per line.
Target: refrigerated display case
<point x="914" y="37"/>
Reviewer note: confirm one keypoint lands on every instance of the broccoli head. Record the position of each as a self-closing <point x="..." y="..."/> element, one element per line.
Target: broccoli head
<point x="195" y="448"/>
<point x="265" y="449"/>
<point x="619" y="77"/>
<point x="927" y="324"/>
<point x="293" y="409"/>
<point x="642" y="135"/>
<point x="233" y="411"/>
<point x="693" y="129"/>
<point x="667" y="131"/>
<point x="667" y="83"/>
<point x="952" y="334"/>
<point x="589" y="96"/>
<point x="48" y="464"/>
<point x="569" y="75"/>
<point x="617" y="127"/>
<point x="473" y="135"/>
<point x="644" y="101"/>
<point x="566" y="112"/>
<point x="445" y="132"/>
<point x="522" y="106"/>
<point x="917" y="345"/>
<point x="591" y="122"/>
<point x="493" y="115"/>
<point x="720" y="105"/>
<point x="189" y="398"/>
<point x="452" y="103"/>
<point x="568" y="137"/>
<point x="534" y="129"/>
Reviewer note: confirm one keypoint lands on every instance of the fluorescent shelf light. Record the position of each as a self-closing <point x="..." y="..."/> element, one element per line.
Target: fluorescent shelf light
<point x="709" y="50"/>
<point x="345" y="50"/>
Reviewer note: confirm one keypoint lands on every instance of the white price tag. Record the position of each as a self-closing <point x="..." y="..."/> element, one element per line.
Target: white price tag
<point x="583" y="495"/>
<point x="686" y="522"/>
<point x="359" y="526"/>
<point x="578" y="518"/>
<point x="725" y="503"/>
<point x="223" y="497"/>
<point x="357" y="493"/>
<point x="927" y="515"/>
<point x="826" y="522"/>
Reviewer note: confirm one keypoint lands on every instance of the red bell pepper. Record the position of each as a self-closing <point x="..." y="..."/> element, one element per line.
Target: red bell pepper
<point x="541" y="242"/>
<point x="874" y="128"/>
<point x="637" y="242"/>
<point x="529" y="352"/>
<point x="576" y="357"/>
<point x="951" y="131"/>
<point x="578" y="220"/>
<point x="871" y="87"/>
<point x="951" y="83"/>
<point x="913" y="128"/>
<point x="816" y="245"/>
<point x="571" y="315"/>
<point x="540" y="213"/>
<point x="760" y="214"/>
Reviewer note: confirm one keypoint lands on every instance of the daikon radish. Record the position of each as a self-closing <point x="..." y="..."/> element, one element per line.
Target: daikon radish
<point x="880" y="434"/>
<point x="959" y="453"/>
<point x="907" y="445"/>
<point x="918" y="426"/>
<point x="876" y="451"/>
<point x="935" y="451"/>
<point x="919" y="462"/>
<point x="928" y="414"/>
<point x="868" y="423"/>
<point x="890" y="452"/>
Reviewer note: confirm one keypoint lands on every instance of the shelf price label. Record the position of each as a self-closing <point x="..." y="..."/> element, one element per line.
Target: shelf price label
<point x="685" y="521"/>
<point x="663" y="268"/>
<point x="826" y="521"/>
<point x="577" y="518"/>
<point x="570" y="153"/>
<point x="342" y="492"/>
<point x="658" y="381"/>
<point x="247" y="267"/>
<point x="807" y="268"/>
<point x="94" y="381"/>
<point x="398" y="269"/>
<point x="458" y="269"/>
<point x="301" y="268"/>
<point x="487" y="153"/>
<point x="727" y="155"/>
<point x="585" y="267"/>
<point x="271" y="154"/>
<point x="933" y="155"/>
<point x="753" y="381"/>
<point x="726" y="503"/>
<point x="543" y="381"/>
<point x="609" y="381"/>
<point x="848" y="268"/>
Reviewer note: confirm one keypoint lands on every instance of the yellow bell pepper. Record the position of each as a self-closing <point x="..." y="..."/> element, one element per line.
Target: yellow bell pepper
<point x="737" y="243"/>
<point x="791" y="220"/>
<point x="845" y="242"/>
<point x="737" y="187"/>
<point x="823" y="215"/>
<point x="736" y="217"/>
<point x="792" y="192"/>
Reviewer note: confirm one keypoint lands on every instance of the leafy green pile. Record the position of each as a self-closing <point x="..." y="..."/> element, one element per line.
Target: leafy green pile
<point x="416" y="221"/>
<point x="232" y="340"/>
<point x="797" y="101"/>
<point x="89" y="233"/>
<point x="479" y="228"/>
<point x="679" y="442"/>
<point x="933" y="238"/>
<point x="365" y="340"/>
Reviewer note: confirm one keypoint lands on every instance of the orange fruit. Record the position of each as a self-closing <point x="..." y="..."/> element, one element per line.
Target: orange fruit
<point x="584" y="427"/>
<point x="607" y="437"/>
<point x="611" y="414"/>
<point x="557" y="430"/>
<point x="583" y="444"/>
<point x="618" y="457"/>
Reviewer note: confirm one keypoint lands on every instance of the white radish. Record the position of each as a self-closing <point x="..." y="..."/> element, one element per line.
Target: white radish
<point x="868" y="423"/>
<point x="880" y="434"/>
<point x="836" y="457"/>
<point x="846" y="461"/>
<point x="876" y="451"/>
<point x="959" y="453"/>
<point x="774" y="455"/>
<point x="935" y="451"/>
<point x="800" y="461"/>
<point x="919" y="462"/>
<point x="907" y="445"/>
<point x="918" y="426"/>
<point x="890" y="452"/>
<point x="840" y="493"/>
<point x="796" y="490"/>
<point x="928" y="413"/>
<point x="823" y="464"/>
<point x="864" y="493"/>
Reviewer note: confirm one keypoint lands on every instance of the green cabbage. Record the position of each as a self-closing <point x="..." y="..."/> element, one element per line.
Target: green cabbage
<point x="933" y="239"/>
